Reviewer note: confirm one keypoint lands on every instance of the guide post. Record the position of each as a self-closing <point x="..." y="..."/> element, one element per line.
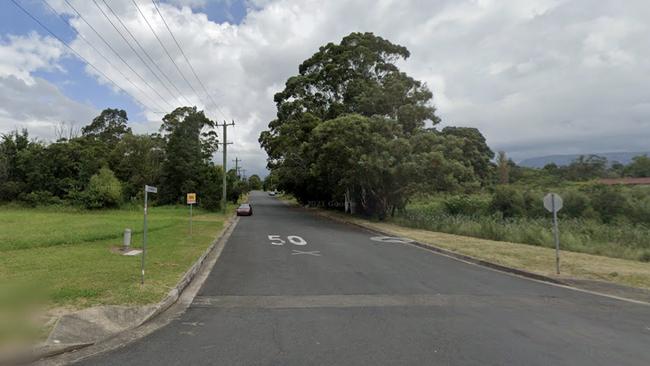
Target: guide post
<point x="147" y="190"/>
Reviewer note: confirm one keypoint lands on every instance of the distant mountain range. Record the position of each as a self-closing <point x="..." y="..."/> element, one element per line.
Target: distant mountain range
<point x="560" y="160"/>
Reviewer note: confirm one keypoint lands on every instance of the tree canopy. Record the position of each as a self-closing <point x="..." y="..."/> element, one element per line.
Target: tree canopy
<point x="108" y="164"/>
<point x="351" y="126"/>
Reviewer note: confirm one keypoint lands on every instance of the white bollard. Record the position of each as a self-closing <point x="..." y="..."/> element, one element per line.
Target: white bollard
<point x="127" y="239"/>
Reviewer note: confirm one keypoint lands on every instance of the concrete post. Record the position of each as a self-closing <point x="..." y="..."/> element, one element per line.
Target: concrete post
<point x="127" y="240"/>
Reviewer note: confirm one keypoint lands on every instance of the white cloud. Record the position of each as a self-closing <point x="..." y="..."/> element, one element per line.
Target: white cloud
<point x="27" y="101"/>
<point x="190" y="3"/>
<point x="22" y="55"/>
<point x="535" y="76"/>
<point x="38" y="106"/>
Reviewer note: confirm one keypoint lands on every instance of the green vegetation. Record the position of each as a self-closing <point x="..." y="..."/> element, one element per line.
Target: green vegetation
<point x="596" y="219"/>
<point x="351" y="127"/>
<point x="354" y="131"/>
<point x="109" y="165"/>
<point x="67" y="257"/>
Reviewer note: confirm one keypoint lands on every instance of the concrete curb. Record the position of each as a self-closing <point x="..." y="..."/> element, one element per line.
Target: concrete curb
<point x="45" y="351"/>
<point x="174" y="294"/>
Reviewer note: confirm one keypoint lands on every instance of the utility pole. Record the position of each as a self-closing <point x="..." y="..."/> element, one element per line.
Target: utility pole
<point x="225" y="161"/>
<point x="244" y="174"/>
<point x="237" y="160"/>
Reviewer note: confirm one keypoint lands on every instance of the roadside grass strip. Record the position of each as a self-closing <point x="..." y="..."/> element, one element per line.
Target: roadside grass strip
<point x="69" y="256"/>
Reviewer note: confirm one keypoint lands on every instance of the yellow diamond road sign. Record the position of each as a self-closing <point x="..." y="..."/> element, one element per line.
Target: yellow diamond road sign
<point x="191" y="198"/>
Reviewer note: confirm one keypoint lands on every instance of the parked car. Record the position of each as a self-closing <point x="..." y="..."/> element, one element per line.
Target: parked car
<point x="272" y="193"/>
<point x="244" y="209"/>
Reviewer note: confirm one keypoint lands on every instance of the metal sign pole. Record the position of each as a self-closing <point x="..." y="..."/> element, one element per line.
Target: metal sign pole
<point x="553" y="203"/>
<point x="144" y="237"/>
<point x="191" y="220"/>
<point x="225" y="171"/>
<point x="556" y="231"/>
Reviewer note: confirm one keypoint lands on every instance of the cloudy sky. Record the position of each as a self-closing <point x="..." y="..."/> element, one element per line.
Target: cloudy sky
<point x="537" y="77"/>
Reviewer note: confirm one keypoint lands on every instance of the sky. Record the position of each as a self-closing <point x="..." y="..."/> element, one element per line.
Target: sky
<point x="536" y="77"/>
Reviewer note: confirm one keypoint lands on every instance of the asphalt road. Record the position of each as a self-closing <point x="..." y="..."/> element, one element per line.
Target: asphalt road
<point x="344" y="299"/>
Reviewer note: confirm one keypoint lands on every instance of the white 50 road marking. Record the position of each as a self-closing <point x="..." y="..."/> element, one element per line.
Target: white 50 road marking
<point x="293" y="239"/>
<point x="275" y="240"/>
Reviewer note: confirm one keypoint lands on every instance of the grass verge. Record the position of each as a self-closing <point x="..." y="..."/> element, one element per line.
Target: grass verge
<point x="57" y="260"/>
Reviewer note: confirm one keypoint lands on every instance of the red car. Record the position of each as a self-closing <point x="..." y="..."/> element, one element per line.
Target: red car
<point x="244" y="209"/>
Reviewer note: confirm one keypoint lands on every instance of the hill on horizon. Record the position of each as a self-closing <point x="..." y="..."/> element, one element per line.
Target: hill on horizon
<point x="563" y="160"/>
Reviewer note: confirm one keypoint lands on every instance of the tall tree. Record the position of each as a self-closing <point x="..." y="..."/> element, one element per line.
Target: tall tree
<point x="639" y="167"/>
<point x="351" y="124"/>
<point x="109" y="127"/>
<point x="255" y="182"/>
<point x="136" y="161"/>
<point x="476" y="153"/>
<point x="190" y="142"/>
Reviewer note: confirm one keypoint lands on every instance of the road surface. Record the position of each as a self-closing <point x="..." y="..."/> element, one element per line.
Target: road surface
<point x="329" y="295"/>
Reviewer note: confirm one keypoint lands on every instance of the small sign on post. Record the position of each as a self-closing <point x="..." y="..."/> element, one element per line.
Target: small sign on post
<point x="191" y="200"/>
<point x="553" y="203"/>
<point x="147" y="190"/>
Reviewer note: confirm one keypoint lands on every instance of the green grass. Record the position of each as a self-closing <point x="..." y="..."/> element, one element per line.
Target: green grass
<point x="65" y="257"/>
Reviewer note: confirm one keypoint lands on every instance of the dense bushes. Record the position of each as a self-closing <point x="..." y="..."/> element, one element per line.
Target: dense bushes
<point x="508" y="201"/>
<point x="596" y="219"/>
<point x="607" y="204"/>
<point x="108" y="164"/>
<point x="624" y="240"/>
<point x="465" y="205"/>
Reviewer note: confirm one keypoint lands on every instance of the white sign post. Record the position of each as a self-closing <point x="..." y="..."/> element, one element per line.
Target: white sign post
<point x="147" y="189"/>
<point x="553" y="203"/>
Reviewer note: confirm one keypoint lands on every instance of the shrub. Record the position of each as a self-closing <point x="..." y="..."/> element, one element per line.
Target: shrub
<point x="465" y="205"/>
<point x="533" y="204"/>
<point x="508" y="201"/>
<point x="40" y="198"/>
<point x="575" y="204"/>
<point x="9" y="190"/>
<point x="641" y="210"/>
<point x="609" y="202"/>
<point x="104" y="190"/>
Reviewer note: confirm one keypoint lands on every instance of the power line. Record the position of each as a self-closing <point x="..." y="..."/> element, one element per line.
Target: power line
<point x="75" y="52"/>
<point x="115" y="52"/>
<point x="165" y="49"/>
<point x="180" y="95"/>
<point x="136" y="53"/>
<point x="186" y="59"/>
<point x="102" y="55"/>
